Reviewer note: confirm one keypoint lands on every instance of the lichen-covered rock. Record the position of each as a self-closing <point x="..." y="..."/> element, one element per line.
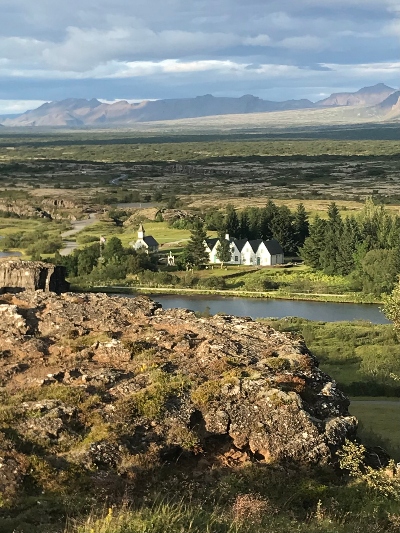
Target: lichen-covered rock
<point x="108" y="382"/>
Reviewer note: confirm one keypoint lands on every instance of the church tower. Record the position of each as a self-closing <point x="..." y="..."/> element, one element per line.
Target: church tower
<point x="141" y="232"/>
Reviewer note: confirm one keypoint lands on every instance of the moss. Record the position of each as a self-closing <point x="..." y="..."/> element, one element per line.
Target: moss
<point x="184" y="437"/>
<point x="152" y="401"/>
<point x="277" y="363"/>
<point x="206" y="393"/>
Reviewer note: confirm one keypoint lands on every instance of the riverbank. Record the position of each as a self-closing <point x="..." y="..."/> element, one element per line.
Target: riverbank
<point x="356" y="298"/>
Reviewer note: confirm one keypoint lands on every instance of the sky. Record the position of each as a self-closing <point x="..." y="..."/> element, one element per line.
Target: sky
<point x="151" y="49"/>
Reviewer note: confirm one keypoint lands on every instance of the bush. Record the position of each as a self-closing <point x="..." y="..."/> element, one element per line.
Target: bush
<point x="155" y="279"/>
<point x="86" y="239"/>
<point x="214" y="282"/>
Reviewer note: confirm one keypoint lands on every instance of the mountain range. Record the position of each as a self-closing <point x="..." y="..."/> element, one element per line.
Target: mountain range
<point x="383" y="101"/>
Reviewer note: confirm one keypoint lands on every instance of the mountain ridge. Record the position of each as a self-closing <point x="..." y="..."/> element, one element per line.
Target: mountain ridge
<point x="367" y="96"/>
<point x="79" y="112"/>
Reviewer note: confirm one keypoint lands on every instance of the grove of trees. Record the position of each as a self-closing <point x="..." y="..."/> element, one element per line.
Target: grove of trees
<point x="365" y="247"/>
<point x="270" y="222"/>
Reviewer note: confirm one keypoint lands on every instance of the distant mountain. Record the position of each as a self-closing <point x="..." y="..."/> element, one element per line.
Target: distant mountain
<point x="390" y="107"/>
<point x="70" y="112"/>
<point x="80" y="112"/>
<point x="367" y="96"/>
<point x="376" y="101"/>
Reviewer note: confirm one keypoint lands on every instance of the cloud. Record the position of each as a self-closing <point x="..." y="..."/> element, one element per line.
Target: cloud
<point x="244" y="46"/>
<point x="260" y="40"/>
<point x="303" y="42"/>
<point x="8" y="107"/>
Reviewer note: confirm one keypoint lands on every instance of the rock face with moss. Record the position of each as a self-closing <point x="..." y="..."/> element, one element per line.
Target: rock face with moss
<point x="97" y="382"/>
<point x="16" y="276"/>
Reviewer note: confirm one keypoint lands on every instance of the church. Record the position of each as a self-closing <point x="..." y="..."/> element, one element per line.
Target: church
<point x="149" y="244"/>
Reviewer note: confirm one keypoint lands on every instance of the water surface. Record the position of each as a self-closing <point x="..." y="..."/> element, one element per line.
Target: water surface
<point x="269" y="308"/>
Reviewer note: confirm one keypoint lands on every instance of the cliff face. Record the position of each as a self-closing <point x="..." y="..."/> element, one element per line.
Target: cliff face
<point x="101" y="382"/>
<point x="16" y="276"/>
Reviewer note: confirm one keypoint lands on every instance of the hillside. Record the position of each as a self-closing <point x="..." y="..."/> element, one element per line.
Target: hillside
<point x="367" y="96"/>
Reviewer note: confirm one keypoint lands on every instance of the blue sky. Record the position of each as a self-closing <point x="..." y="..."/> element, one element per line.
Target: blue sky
<point x="139" y="49"/>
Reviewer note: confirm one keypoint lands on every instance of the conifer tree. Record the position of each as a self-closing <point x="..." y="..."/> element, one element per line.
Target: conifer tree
<point x="267" y="216"/>
<point x="224" y="253"/>
<point x="314" y="244"/>
<point x="282" y="228"/>
<point x="330" y="253"/>
<point x="244" y="225"/>
<point x="301" y="226"/>
<point x="195" y="250"/>
<point x="349" y="241"/>
<point x="253" y="217"/>
<point x="232" y="225"/>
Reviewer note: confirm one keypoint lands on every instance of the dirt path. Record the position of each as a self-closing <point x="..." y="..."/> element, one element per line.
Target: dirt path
<point x="78" y="225"/>
<point x="116" y="180"/>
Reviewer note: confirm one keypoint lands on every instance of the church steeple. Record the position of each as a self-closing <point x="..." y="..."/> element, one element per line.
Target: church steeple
<point x="141" y="232"/>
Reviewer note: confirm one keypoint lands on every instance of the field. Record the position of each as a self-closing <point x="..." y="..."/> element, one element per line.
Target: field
<point x="379" y="422"/>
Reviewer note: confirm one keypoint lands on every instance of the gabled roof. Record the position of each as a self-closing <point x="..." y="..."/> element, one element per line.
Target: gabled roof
<point x="273" y="247"/>
<point x="240" y="243"/>
<point x="211" y="243"/>
<point x="255" y="244"/>
<point x="150" y="241"/>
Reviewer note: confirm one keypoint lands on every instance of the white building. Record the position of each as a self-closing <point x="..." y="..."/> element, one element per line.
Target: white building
<point x="149" y="244"/>
<point x="245" y="252"/>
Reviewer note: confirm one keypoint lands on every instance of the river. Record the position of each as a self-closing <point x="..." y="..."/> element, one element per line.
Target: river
<point x="10" y="254"/>
<point x="269" y="308"/>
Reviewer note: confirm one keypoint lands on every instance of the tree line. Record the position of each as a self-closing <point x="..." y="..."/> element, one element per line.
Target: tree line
<point x="108" y="262"/>
<point x="365" y="247"/>
<point x="269" y="222"/>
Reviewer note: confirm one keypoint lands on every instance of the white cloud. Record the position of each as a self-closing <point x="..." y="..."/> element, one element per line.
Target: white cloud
<point x="18" y="106"/>
<point x="303" y="42"/>
<point x="84" y="49"/>
<point x="259" y="40"/>
<point x="392" y="29"/>
<point x="178" y="42"/>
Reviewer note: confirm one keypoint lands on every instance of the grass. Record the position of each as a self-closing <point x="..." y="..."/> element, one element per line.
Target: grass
<point x="363" y="358"/>
<point x="160" y="231"/>
<point x="380" y="422"/>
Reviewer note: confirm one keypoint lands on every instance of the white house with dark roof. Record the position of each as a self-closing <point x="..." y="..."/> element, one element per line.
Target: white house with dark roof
<point x="149" y="244"/>
<point x="245" y="252"/>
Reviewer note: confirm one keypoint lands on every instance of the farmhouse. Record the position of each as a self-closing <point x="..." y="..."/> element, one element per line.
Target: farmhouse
<point x="245" y="252"/>
<point x="149" y="244"/>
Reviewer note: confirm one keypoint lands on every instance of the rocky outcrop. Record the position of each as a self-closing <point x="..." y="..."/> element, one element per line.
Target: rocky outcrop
<point x="16" y="276"/>
<point x="23" y="209"/>
<point x="102" y="382"/>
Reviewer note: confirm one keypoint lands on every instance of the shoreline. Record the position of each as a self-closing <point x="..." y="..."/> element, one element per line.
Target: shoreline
<point x="332" y="298"/>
